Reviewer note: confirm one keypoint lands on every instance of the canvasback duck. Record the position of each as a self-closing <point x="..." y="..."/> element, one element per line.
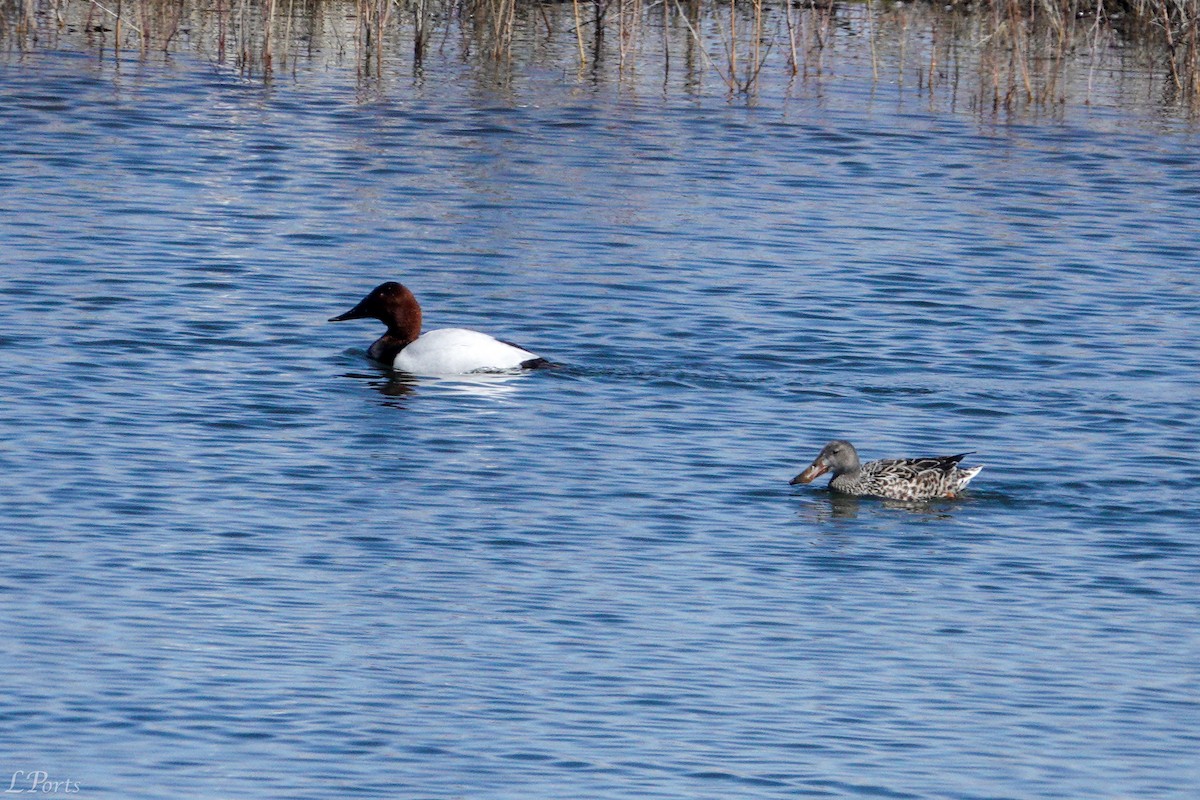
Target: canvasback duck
<point x="893" y="478"/>
<point x="447" y="351"/>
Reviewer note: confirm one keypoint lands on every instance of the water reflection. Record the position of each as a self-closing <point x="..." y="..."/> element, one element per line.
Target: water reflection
<point x="483" y="385"/>
<point x="829" y="506"/>
<point x="392" y="384"/>
<point x="491" y="386"/>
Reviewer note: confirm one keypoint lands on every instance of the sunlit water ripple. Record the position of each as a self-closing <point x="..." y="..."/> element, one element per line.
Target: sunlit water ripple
<point x="244" y="561"/>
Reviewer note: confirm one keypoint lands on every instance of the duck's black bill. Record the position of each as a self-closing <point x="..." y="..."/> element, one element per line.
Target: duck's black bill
<point x="355" y="313"/>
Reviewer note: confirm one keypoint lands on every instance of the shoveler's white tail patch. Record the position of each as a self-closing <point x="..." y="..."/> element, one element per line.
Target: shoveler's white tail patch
<point x="969" y="473"/>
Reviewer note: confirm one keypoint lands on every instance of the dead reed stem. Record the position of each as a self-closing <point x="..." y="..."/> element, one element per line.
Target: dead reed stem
<point x="755" y="47"/>
<point x="793" y="61"/>
<point x="698" y="43"/>
<point x="268" y="28"/>
<point x="732" y="49"/>
<point x="579" y="34"/>
<point x="871" y="39"/>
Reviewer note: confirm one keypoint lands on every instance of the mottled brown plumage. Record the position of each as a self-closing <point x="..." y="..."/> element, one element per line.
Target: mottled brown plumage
<point x="894" y="478"/>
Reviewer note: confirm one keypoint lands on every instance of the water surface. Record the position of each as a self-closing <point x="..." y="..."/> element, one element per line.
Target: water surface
<point x="245" y="561"/>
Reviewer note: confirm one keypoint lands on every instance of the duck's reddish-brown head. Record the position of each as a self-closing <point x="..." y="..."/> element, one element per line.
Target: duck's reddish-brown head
<point x="392" y="304"/>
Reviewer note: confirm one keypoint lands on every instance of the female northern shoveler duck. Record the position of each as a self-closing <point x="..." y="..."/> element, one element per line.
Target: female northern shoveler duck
<point x="894" y="478"/>
<point x="447" y="351"/>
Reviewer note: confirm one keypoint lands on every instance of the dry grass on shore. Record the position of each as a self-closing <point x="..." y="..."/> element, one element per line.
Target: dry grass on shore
<point x="1012" y="53"/>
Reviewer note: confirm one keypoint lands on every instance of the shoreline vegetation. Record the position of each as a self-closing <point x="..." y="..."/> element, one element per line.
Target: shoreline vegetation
<point x="997" y="56"/>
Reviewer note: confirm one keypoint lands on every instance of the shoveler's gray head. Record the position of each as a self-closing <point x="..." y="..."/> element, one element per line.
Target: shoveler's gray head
<point x="839" y="456"/>
<point x="392" y="304"/>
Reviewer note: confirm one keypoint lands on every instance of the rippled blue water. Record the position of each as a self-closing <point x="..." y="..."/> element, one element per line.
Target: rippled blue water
<point x="242" y="561"/>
